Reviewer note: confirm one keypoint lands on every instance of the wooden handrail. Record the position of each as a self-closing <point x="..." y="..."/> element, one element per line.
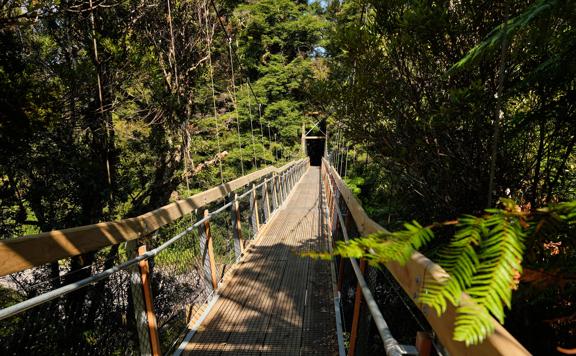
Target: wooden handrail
<point x="411" y="277"/>
<point x="21" y="253"/>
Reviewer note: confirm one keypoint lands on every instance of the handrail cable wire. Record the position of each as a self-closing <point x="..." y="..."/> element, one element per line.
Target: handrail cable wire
<point x="390" y="344"/>
<point x="66" y="289"/>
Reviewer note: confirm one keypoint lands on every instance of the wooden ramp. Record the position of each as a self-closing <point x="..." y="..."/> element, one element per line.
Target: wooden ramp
<point x="277" y="302"/>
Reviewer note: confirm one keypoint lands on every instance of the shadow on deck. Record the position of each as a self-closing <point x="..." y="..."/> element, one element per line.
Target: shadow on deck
<point x="277" y="302"/>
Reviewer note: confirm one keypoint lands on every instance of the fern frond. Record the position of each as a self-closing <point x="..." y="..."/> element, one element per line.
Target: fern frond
<point x="500" y="260"/>
<point x="382" y="247"/>
<point x="460" y="261"/>
<point x="482" y="260"/>
<point x="472" y="324"/>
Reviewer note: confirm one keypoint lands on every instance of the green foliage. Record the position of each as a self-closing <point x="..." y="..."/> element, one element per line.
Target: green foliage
<point x="507" y="29"/>
<point x="65" y="163"/>
<point x="393" y="91"/>
<point x="482" y="259"/>
<point x="382" y="247"/>
<point x="354" y="184"/>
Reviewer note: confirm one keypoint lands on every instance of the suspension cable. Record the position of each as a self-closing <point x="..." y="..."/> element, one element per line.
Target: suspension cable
<point x="230" y="41"/>
<point x="252" y="131"/>
<point x="211" y="71"/>
<point x="241" y="68"/>
<point x="260" y="122"/>
<point x="267" y="122"/>
<point x="186" y="155"/>
<point x="234" y="101"/>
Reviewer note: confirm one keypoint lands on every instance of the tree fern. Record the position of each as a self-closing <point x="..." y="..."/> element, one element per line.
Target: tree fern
<point x="499" y="261"/>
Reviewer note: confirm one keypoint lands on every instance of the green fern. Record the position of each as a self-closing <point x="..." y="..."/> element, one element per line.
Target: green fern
<point x="460" y="261"/>
<point x="384" y="246"/>
<point x="483" y="259"/>
<point x="499" y="261"/>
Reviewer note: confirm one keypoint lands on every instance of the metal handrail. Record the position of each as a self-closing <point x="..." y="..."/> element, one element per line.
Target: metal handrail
<point x="391" y="346"/>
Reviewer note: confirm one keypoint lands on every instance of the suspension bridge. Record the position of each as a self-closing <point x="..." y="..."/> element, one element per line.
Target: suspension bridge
<point x="223" y="272"/>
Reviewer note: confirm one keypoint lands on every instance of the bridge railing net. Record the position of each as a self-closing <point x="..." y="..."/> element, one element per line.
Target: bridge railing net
<point x="102" y="317"/>
<point x="95" y="320"/>
<point x="177" y="286"/>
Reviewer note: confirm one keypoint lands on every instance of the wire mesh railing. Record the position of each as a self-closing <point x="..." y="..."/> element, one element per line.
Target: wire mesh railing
<point x="142" y="296"/>
<point x="96" y="319"/>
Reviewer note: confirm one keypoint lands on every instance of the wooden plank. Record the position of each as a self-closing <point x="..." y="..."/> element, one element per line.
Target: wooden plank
<point x="418" y="269"/>
<point x="319" y="322"/>
<point x="284" y="334"/>
<point x="228" y="315"/>
<point x="20" y="253"/>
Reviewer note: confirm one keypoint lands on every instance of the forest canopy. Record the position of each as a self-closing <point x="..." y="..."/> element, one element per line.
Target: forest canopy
<point x="110" y="109"/>
<point x="453" y="121"/>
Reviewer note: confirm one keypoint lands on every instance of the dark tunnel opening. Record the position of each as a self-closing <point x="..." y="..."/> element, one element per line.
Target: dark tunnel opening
<point x="315" y="150"/>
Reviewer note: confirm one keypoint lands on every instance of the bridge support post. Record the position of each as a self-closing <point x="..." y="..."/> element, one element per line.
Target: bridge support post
<point x="280" y="189"/>
<point x="274" y="188"/>
<point x="356" y="315"/>
<point x="137" y="293"/>
<point x="347" y="223"/>
<point x="423" y="343"/>
<point x="207" y="250"/>
<point x="237" y="228"/>
<point x="147" y="291"/>
<point x="283" y="186"/>
<point x="255" y="218"/>
<point x="287" y="184"/>
<point x="265" y="202"/>
<point x="146" y="325"/>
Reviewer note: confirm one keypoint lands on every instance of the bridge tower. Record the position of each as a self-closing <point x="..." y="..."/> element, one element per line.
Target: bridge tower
<point x="314" y="141"/>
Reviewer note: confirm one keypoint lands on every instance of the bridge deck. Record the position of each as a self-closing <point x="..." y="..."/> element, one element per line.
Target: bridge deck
<point x="277" y="302"/>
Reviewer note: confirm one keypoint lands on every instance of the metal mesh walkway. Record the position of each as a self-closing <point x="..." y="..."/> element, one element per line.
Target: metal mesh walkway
<point x="277" y="302"/>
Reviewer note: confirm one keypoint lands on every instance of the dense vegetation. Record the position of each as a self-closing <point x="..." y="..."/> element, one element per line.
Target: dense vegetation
<point x="440" y="109"/>
<point x="108" y="109"/>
